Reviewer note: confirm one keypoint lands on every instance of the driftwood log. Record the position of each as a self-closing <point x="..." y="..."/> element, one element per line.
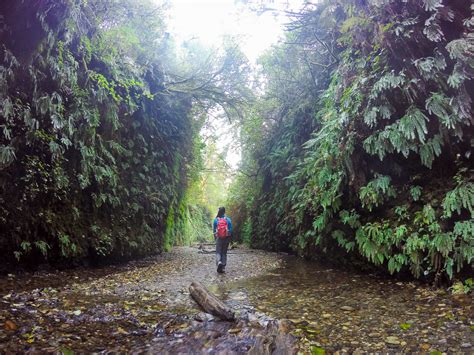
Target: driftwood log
<point x="210" y="303"/>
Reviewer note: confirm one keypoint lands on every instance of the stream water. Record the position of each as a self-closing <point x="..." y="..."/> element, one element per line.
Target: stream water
<point x="341" y="310"/>
<point x="145" y="306"/>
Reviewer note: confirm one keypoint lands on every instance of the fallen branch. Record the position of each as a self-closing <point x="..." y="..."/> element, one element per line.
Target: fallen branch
<point x="210" y="303"/>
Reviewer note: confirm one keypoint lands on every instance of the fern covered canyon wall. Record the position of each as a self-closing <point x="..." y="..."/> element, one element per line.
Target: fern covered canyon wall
<point x="95" y="152"/>
<point x="362" y="145"/>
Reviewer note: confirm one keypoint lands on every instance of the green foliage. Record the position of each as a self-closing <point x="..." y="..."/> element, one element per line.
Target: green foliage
<point x="461" y="197"/>
<point x="462" y="287"/>
<point x="376" y="191"/>
<point x="415" y="192"/>
<point x="360" y="144"/>
<point x="405" y="326"/>
<point x="100" y="116"/>
<point x="91" y="163"/>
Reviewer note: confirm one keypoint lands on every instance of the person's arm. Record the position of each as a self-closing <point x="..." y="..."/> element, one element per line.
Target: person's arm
<point x="214" y="227"/>
<point x="229" y="225"/>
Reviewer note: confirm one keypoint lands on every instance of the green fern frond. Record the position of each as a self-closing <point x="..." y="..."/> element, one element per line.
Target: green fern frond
<point x="461" y="197"/>
<point x="376" y="192"/>
<point x="430" y="150"/>
<point x="413" y="123"/>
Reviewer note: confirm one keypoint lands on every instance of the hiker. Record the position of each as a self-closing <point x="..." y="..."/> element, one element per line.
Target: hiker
<point x="222" y="230"/>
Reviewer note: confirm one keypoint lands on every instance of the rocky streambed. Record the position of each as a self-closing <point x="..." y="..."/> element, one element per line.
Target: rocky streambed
<point x="283" y="305"/>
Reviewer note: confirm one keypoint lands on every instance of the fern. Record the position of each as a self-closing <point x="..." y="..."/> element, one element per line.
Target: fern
<point x="430" y="67"/>
<point x="415" y="192"/>
<point x="342" y="240"/>
<point x="386" y="82"/>
<point x="350" y="218"/>
<point x="376" y="192"/>
<point x="461" y="197"/>
<point x="464" y="231"/>
<point x="42" y="246"/>
<point x="444" y="243"/>
<point x="7" y="155"/>
<point x="372" y="241"/>
<point x="457" y="77"/>
<point x="371" y="114"/>
<point x="461" y="49"/>
<point x="432" y="29"/>
<point x="402" y="212"/>
<point x="413" y="124"/>
<point x="439" y="105"/>
<point x="430" y="150"/>
<point x="400" y="136"/>
<point x="396" y="262"/>
<point x="432" y="5"/>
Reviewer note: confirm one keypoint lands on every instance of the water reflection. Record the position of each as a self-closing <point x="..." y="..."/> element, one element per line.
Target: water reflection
<point x="335" y="308"/>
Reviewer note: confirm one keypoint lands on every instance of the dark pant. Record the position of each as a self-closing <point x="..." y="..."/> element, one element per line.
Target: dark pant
<point x="221" y="250"/>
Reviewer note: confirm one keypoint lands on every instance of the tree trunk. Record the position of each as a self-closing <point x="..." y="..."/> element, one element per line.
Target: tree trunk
<point x="209" y="302"/>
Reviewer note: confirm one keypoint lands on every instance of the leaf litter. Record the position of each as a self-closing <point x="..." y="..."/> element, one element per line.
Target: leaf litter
<point x="145" y="306"/>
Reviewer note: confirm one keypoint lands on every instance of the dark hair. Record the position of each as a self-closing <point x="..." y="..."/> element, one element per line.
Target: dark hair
<point x="221" y="212"/>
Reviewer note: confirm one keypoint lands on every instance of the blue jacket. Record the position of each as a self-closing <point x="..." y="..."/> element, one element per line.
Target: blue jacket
<point x="229" y="225"/>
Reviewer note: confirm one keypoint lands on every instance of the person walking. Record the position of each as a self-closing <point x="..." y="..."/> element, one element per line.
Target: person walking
<point x="222" y="229"/>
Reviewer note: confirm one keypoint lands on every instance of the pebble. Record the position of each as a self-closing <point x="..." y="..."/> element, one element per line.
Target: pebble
<point x="203" y="317"/>
<point x="347" y="308"/>
<point x="443" y="341"/>
<point x="392" y="340"/>
<point x="466" y="345"/>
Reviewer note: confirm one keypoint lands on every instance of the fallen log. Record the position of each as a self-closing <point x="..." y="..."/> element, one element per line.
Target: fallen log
<point x="210" y="303"/>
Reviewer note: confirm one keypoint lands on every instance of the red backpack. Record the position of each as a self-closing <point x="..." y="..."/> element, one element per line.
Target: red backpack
<point x="222" y="228"/>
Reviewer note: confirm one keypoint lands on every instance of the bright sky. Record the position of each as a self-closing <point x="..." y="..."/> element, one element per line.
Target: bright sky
<point x="210" y="20"/>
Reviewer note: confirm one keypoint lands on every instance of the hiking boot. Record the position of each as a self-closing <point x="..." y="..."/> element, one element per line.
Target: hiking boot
<point x="220" y="268"/>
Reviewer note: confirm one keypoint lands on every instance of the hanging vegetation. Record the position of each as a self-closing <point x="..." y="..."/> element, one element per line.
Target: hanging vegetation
<point x="362" y="144"/>
<point x="98" y="126"/>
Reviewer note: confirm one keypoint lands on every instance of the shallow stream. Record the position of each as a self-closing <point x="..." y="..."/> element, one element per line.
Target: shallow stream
<point x="337" y="310"/>
<point x="146" y="306"/>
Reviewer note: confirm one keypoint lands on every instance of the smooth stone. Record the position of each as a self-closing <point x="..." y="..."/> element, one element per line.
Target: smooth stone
<point x="392" y="340"/>
<point x="347" y="308"/>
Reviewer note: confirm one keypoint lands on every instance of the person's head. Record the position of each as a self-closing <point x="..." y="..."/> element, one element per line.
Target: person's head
<point x="221" y="212"/>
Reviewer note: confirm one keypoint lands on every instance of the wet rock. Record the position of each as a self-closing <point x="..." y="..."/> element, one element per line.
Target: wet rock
<point x="204" y="317"/>
<point x="348" y="308"/>
<point x="392" y="340"/>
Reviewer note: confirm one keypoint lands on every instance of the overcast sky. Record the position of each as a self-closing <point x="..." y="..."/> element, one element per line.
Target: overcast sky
<point x="210" y="20"/>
